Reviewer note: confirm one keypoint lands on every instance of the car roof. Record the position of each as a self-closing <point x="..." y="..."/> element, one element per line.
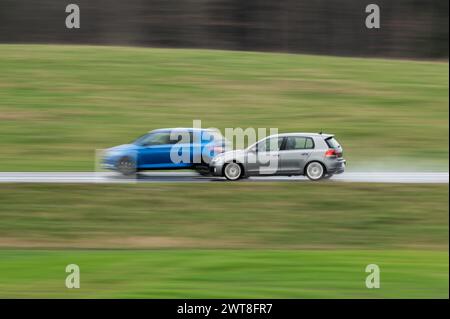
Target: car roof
<point x="189" y="129"/>
<point x="323" y="135"/>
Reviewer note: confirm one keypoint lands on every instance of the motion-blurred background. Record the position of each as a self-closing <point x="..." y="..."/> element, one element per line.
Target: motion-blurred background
<point x="134" y="66"/>
<point x="410" y="28"/>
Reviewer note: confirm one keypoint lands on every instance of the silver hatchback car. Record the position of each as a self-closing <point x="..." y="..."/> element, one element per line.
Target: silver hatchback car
<point x="315" y="155"/>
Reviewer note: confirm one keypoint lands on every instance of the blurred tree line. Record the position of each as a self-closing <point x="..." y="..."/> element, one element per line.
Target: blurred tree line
<point x="409" y="28"/>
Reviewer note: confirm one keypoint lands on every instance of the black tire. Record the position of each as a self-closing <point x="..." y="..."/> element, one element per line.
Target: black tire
<point x="315" y="171"/>
<point x="126" y="166"/>
<point x="233" y="171"/>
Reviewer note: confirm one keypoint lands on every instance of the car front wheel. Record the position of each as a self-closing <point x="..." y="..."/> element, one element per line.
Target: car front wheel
<point x="315" y="171"/>
<point x="126" y="166"/>
<point x="232" y="171"/>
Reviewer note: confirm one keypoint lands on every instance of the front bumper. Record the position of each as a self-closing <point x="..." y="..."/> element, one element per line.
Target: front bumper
<point x="216" y="169"/>
<point x="109" y="162"/>
<point x="108" y="166"/>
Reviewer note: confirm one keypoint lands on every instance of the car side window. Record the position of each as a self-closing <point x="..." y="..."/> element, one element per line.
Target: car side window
<point x="298" y="143"/>
<point x="309" y="143"/>
<point x="156" y="139"/>
<point x="184" y="137"/>
<point x="272" y="144"/>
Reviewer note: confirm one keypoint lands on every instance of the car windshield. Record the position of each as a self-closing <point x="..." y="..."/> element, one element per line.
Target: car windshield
<point x="139" y="139"/>
<point x="153" y="139"/>
<point x="270" y="144"/>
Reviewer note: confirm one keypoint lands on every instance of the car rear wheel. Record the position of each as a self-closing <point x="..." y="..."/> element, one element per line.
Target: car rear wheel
<point x="126" y="166"/>
<point x="232" y="171"/>
<point x="315" y="171"/>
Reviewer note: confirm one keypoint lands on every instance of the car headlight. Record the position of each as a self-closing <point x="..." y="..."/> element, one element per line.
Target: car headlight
<point x="217" y="160"/>
<point x="112" y="154"/>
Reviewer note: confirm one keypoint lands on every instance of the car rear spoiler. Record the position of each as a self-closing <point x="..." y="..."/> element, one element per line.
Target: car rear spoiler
<point x="326" y="136"/>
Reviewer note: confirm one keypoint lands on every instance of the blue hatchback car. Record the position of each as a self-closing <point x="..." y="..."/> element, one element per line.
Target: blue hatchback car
<point x="171" y="148"/>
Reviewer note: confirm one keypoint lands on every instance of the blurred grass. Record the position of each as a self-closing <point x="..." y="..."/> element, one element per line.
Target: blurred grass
<point x="238" y="215"/>
<point x="59" y="103"/>
<point x="223" y="274"/>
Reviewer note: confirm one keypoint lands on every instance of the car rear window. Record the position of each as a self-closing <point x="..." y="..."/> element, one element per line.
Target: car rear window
<point x="332" y="142"/>
<point x="214" y="136"/>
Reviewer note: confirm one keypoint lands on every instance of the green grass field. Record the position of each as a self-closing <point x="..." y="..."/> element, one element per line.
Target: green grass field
<point x="224" y="274"/>
<point x="225" y="215"/>
<point x="280" y="240"/>
<point x="60" y="103"/>
<point x="194" y="240"/>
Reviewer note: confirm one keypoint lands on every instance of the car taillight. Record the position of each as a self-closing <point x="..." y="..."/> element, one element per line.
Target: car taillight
<point x="330" y="153"/>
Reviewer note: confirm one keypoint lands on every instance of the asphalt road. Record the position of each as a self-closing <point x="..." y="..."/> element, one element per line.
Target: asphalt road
<point x="152" y="177"/>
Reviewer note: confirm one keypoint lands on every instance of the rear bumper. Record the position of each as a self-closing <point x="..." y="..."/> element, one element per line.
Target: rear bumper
<point x="337" y="167"/>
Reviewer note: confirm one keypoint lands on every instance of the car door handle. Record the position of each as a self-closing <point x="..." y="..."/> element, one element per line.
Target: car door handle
<point x="305" y="154"/>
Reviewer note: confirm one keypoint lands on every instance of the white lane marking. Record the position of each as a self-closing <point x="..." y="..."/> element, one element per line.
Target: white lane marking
<point x="111" y="177"/>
